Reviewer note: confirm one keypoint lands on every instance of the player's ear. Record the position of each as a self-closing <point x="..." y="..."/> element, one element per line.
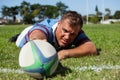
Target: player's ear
<point x="59" y="22"/>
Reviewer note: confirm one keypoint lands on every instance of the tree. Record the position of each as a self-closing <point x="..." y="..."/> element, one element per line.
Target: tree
<point x="61" y="7"/>
<point x="51" y="11"/>
<point x="98" y="16"/>
<point x="35" y="10"/>
<point x="29" y="12"/>
<point x="28" y="18"/>
<point x="117" y="15"/>
<point x="107" y="16"/>
<point x="35" y="6"/>
<point x="96" y="9"/>
<point x="24" y="8"/>
<point x="26" y="12"/>
<point x="13" y="11"/>
<point x="5" y="12"/>
<point x="94" y="19"/>
<point x="98" y="13"/>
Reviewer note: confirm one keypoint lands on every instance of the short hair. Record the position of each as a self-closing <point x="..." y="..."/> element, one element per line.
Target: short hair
<point x="75" y="19"/>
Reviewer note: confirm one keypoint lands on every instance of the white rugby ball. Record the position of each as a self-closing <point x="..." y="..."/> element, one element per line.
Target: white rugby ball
<point x="38" y="58"/>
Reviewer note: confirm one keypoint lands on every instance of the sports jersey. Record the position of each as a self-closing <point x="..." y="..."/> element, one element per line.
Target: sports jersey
<point x="48" y="27"/>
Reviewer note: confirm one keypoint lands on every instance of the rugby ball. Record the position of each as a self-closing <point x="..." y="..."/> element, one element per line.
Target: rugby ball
<point x="38" y="58"/>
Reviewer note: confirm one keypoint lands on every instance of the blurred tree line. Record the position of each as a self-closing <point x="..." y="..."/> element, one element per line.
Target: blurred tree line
<point x="96" y="18"/>
<point x="31" y="12"/>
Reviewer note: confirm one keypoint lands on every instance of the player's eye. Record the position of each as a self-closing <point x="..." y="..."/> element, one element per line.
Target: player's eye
<point x="64" y="30"/>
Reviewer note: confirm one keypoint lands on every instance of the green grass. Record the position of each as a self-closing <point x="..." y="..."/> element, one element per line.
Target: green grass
<point x="106" y="37"/>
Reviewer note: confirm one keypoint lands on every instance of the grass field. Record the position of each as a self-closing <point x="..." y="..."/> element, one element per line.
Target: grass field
<point x="105" y="66"/>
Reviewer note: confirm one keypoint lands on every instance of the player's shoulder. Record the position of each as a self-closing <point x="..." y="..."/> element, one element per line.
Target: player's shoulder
<point x="49" y="22"/>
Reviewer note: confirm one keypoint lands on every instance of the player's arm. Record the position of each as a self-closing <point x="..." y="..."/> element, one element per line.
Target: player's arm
<point x="37" y="34"/>
<point x="87" y="48"/>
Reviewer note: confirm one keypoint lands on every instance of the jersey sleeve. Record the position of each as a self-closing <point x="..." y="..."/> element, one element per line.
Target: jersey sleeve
<point x="23" y="37"/>
<point x="82" y="37"/>
<point x="49" y="22"/>
<point x="45" y="29"/>
<point x="44" y="26"/>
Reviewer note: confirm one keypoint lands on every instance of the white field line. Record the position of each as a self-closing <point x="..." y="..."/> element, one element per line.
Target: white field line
<point x="6" y="70"/>
<point x="96" y="68"/>
<point x="83" y="68"/>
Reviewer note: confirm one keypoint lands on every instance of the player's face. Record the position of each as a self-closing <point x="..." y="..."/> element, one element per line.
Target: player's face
<point x="65" y="34"/>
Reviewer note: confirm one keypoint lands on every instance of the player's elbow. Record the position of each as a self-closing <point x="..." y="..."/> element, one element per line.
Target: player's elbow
<point x="93" y="51"/>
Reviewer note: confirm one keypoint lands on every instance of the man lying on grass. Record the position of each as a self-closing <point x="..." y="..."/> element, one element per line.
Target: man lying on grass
<point x="66" y="35"/>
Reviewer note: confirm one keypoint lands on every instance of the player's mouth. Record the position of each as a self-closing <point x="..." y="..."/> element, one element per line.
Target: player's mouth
<point x="64" y="42"/>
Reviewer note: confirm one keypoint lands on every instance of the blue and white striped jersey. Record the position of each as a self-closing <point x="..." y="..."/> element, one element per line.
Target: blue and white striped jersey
<point x="48" y="27"/>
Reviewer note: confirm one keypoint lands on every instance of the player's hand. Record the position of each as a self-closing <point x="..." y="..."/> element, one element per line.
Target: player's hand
<point x="62" y="54"/>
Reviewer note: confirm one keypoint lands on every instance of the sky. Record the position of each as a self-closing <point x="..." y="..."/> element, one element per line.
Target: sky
<point x="77" y="5"/>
